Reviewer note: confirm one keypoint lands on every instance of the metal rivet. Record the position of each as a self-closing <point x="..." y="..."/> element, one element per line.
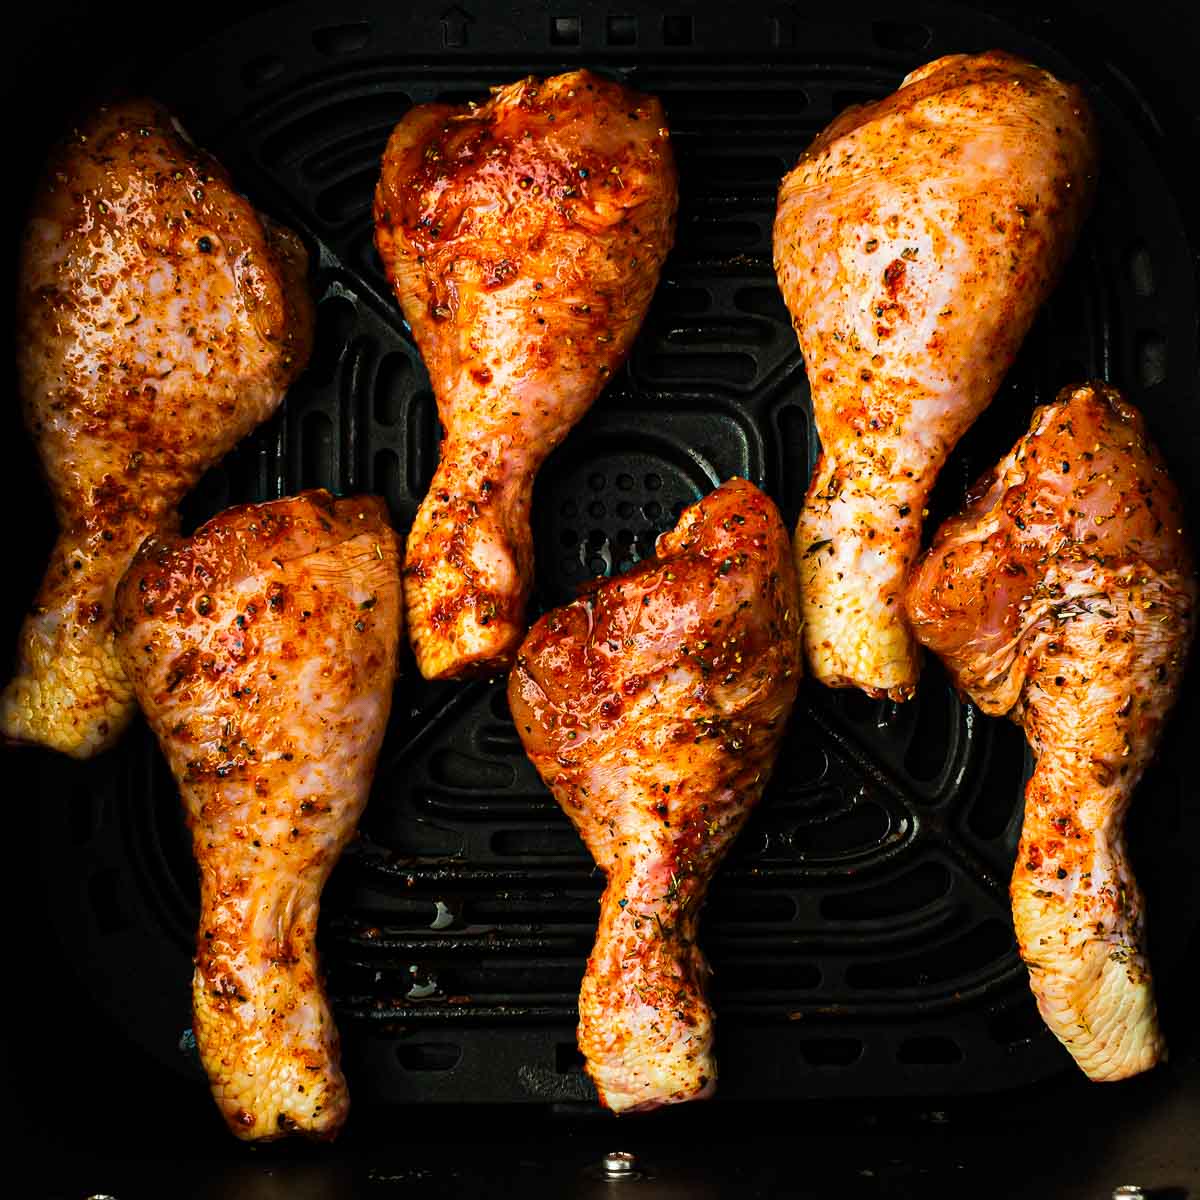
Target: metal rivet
<point x="1128" y="1191"/>
<point x="620" y="1164"/>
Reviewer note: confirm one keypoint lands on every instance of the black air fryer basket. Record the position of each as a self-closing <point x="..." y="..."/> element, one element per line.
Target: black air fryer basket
<point x="876" y="1033"/>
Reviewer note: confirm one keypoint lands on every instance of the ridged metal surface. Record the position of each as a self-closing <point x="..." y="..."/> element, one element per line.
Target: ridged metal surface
<point x="859" y="933"/>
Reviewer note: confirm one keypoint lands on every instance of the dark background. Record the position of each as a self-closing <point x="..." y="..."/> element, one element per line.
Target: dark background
<point x="89" y="1112"/>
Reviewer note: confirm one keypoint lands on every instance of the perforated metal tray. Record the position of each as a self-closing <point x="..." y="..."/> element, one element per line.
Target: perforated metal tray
<point x="859" y="932"/>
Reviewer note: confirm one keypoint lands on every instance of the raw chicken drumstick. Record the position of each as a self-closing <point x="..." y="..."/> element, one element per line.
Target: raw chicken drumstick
<point x="914" y="242"/>
<point x="263" y="651"/>
<point x="524" y="239"/>
<point x="160" y="320"/>
<point x="653" y="708"/>
<point x="1064" y="595"/>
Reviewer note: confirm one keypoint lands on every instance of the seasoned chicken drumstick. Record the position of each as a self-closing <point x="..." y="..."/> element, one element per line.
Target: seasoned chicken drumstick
<point x="914" y="242"/>
<point x="653" y="708"/>
<point x="160" y="320"/>
<point x="263" y="651"/>
<point x="524" y="239"/>
<point x="1064" y="595"/>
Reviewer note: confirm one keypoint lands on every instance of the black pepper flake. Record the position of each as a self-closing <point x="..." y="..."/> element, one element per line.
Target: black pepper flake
<point x="204" y="245"/>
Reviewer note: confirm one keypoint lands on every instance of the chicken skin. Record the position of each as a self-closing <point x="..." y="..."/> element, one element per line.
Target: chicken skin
<point x="653" y="708"/>
<point x="160" y="320"/>
<point x="524" y="239"/>
<point x="914" y="242"/>
<point x="263" y="651"/>
<point x="1065" y="596"/>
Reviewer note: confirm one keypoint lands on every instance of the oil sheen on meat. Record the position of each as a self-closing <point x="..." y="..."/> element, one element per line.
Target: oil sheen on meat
<point x="524" y="239"/>
<point x="1065" y="596"/>
<point x="263" y="652"/>
<point x="653" y="707"/>
<point x="914" y="242"/>
<point x="160" y="319"/>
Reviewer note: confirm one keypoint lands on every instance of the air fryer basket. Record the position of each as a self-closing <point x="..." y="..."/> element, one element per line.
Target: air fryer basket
<point x="859" y="933"/>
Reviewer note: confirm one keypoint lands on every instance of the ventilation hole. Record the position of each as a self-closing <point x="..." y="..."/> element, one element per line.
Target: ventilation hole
<point x="428" y="1056"/>
<point x="652" y="510"/>
<point x="902" y="36"/>
<point x="865" y="824"/>
<point x="932" y="739"/>
<point x="391" y="382"/>
<point x="385" y="477"/>
<point x="106" y="903"/>
<point x="729" y="368"/>
<point x="739" y="907"/>
<point x="596" y="481"/>
<point x="653" y="482"/>
<point x="342" y="39"/>
<point x="597" y="538"/>
<point x="621" y="31"/>
<point x="1000" y="788"/>
<point x="982" y="946"/>
<point x="738" y="973"/>
<point x="677" y="29"/>
<point x="567" y="1059"/>
<point x="683" y="300"/>
<point x="260" y="71"/>
<point x="830" y="1052"/>
<point x="1152" y="359"/>
<point x="1141" y="270"/>
<point x="763" y="302"/>
<point x="318" y="452"/>
<point x="564" y="31"/>
<point x="422" y="443"/>
<point x="905" y="893"/>
<point x="568" y="538"/>
<point x="549" y="842"/>
<point x="625" y="482"/>
<point x="452" y="768"/>
<point x="929" y="1051"/>
<point x="596" y="509"/>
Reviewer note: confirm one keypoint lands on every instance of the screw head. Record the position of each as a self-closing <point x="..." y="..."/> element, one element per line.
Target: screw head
<point x="619" y="1164"/>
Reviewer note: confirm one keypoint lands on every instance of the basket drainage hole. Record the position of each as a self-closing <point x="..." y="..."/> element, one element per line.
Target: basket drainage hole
<point x="653" y="482"/>
<point x="428" y="1056"/>
<point x="625" y="482"/>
